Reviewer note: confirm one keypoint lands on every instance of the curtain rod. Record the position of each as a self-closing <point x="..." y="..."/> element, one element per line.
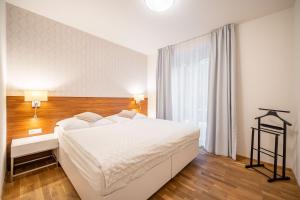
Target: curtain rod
<point x="196" y="37"/>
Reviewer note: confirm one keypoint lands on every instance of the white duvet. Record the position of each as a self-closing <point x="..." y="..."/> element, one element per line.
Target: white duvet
<point x="126" y="150"/>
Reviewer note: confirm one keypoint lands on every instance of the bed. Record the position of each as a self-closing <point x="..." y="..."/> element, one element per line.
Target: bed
<point x="127" y="159"/>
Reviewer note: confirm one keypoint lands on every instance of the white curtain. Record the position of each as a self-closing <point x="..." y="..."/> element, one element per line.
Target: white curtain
<point x="163" y="83"/>
<point x="196" y="84"/>
<point x="189" y="83"/>
<point x="221" y="126"/>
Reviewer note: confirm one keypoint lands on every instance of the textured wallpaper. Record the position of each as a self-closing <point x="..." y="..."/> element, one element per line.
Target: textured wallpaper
<point x="46" y="55"/>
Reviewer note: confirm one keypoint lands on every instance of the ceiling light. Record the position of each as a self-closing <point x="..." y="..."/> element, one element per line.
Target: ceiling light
<point x="159" y="5"/>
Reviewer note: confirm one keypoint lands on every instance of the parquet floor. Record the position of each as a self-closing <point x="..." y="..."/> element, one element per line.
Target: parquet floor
<point x="207" y="177"/>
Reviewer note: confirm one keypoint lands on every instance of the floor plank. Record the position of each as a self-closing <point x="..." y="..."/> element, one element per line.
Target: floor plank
<point x="207" y="177"/>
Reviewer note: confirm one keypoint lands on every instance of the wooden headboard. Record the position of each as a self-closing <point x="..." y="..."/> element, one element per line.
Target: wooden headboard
<point x="20" y="113"/>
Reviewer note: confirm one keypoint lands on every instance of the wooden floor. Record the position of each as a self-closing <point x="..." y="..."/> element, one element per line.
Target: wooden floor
<point x="207" y="177"/>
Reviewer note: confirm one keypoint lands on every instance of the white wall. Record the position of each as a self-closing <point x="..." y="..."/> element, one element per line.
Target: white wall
<point x="297" y="85"/>
<point x="44" y="54"/>
<point x="2" y="94"/>
<point x="266" y="77"/>
<point x="151" y="84"/>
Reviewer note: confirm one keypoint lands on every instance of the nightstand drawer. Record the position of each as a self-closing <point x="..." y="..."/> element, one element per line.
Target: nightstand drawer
<point x="31" y="145"/>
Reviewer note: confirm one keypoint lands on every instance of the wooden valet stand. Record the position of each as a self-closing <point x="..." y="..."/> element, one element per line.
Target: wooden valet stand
<point x="277" y="131"/>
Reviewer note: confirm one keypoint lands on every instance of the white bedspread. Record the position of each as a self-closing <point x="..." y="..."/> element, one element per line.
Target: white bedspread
<point x="126" y="150"/>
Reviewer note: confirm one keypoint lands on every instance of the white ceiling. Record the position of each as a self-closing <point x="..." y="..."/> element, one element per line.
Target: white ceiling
<point x="131" y="24"/>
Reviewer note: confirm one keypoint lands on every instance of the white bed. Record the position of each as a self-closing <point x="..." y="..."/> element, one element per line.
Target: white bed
<point x="131" y="159"/>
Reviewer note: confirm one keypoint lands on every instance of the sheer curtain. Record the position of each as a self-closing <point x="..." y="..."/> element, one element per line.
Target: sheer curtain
<point x="189" y="83"/>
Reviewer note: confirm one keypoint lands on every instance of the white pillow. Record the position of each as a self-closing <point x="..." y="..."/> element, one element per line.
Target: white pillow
<point x="102" y="122"/>
<point x="140" y="116"/>
<point x="127" y="113"/>
<point x="72" y="123"/>
<point x="89" y="117"/>
<point x="116" y="118"/>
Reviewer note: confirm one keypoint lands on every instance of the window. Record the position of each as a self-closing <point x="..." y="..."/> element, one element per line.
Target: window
<point x="189" y="75"/>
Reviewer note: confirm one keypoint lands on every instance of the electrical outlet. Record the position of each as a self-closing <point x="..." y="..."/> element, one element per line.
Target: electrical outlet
<point x="34" y="131"/>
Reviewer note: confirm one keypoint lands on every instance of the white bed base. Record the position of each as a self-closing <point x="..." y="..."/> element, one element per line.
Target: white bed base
<point x="138" y="189"/>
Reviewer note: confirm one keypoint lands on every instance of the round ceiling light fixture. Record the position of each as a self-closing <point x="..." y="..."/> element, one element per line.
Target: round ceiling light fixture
<point x="159" y="5"/>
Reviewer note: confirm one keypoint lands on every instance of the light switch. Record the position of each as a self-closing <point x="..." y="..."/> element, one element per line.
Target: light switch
<point x="35" y="131"/>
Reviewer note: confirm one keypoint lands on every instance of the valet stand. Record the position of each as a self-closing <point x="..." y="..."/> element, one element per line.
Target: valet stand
<point x="277" y="131"/>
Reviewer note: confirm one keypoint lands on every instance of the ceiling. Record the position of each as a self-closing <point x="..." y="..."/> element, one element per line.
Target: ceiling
<point x="131" y="24"/>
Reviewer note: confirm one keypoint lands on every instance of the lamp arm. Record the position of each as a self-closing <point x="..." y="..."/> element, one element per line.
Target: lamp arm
<point x="36" y="103"/>
<point x="35" y="115"/>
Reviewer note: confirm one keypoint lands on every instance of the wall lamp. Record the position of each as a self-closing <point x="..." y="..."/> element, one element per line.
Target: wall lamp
<point x="138" y="98"/>
<point x="36" y="97"/>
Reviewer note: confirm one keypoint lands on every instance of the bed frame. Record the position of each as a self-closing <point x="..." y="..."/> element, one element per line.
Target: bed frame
<point x="138" y="189"/>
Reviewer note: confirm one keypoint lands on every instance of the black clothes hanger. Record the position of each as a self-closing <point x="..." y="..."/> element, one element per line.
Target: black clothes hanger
<point x="274" y="113"/>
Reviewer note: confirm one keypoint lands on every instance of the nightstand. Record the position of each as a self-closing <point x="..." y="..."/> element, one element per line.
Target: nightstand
<point x="32" y="145"/>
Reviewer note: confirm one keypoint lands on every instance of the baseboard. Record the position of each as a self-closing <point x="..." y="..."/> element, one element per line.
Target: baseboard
<point x="294" y="170"/>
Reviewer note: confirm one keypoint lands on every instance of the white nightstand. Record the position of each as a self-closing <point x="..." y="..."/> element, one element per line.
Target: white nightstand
<point x="32" y="145"/>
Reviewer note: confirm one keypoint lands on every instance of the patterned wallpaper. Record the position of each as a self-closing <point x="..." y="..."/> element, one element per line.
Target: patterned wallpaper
<point x="44" y="54"/>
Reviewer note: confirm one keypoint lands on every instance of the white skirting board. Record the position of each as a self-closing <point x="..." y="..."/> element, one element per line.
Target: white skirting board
<point x="138" y="189"/>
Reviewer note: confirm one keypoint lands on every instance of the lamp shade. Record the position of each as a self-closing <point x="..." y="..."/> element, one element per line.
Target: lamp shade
<point x="36" y="95"/>
<point x="139" y="97"/>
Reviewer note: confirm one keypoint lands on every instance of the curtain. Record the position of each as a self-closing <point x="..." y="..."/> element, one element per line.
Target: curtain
<point x="189" y="83"/>
<point x="163" y="83"/>
<point x="221" y="119"/>
<point x="196" y="84"/>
